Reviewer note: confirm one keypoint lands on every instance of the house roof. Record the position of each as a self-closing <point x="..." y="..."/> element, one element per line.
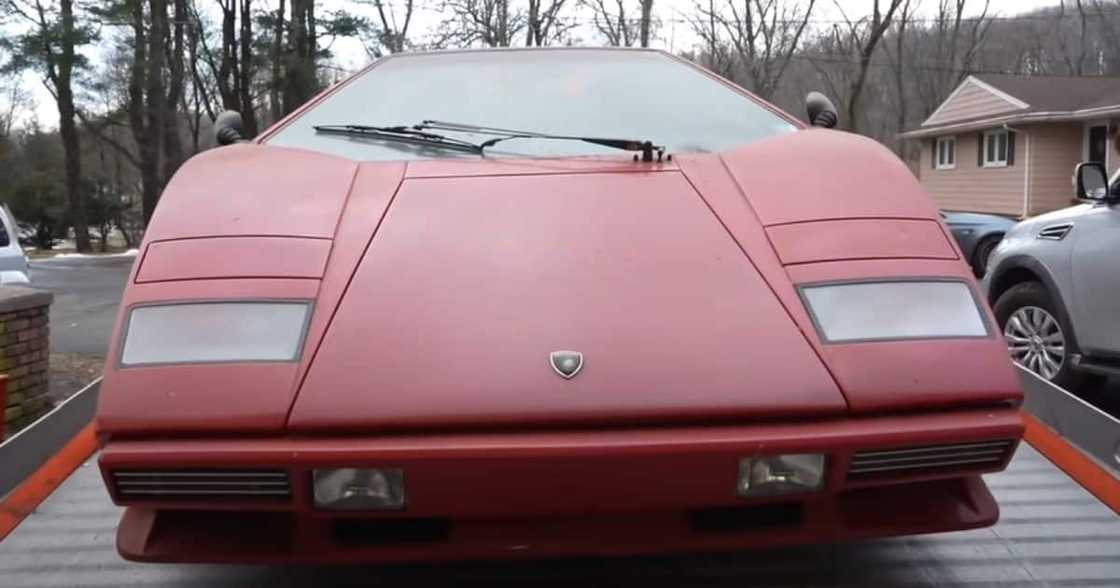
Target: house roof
<point x="1058" y="92"/>
<point x="1030" y="99"/>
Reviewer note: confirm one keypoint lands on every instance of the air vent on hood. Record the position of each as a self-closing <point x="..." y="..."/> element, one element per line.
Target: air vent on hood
<point x="201" y="484"/>
<point x="1055" y="232"/>
<point x="913" y="461"/>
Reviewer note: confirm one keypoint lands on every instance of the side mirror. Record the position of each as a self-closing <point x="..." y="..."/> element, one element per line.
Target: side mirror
<point x="1091" y="181"/>
<point x="227" y="128"/>
<point x="821" y="111"/>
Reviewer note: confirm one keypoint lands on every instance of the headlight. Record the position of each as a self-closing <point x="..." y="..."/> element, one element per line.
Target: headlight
<point x="912" y="309"/>
<point x="359" y="489"/>
<point x="200" y="332"/>
<point x="780" y="474"/>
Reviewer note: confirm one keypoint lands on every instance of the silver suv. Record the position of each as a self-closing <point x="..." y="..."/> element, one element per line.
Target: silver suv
<point x="1054" y="282"/>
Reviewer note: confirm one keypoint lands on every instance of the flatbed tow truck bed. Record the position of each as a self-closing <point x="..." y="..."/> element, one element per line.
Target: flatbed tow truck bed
<point x="1052" y="532"/>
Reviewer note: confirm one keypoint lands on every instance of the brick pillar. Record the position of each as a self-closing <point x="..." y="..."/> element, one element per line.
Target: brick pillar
<point x="24" y="353"/>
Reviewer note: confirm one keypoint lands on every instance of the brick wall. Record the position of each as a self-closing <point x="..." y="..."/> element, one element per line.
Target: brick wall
<point x="24" y="353"/>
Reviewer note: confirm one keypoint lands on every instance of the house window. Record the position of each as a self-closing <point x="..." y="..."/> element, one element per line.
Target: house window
<point x="946" y="153"/>
<point x="994" y="149"/>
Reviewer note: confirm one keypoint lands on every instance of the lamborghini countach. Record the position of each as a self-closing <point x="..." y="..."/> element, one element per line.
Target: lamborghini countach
<point x="536" y="303"/>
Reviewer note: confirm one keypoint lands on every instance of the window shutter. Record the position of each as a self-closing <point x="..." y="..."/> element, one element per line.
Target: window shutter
<point x="1010" y="147"/>
<point x="933" y="151"/>
<point x="980" y="150"/>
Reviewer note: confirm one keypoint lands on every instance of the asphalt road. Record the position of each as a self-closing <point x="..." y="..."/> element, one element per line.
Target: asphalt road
<point x="87" y="292"/>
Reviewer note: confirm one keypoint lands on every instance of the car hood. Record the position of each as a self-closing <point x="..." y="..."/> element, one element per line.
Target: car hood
<point x="471" y="282"/>
<point x="1029" y="228"/>
<point x="440" y="288"/>
<point x="968" y="219"/>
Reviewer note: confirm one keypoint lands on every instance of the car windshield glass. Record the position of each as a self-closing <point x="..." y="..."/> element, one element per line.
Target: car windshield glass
<point x="594" y="93"/>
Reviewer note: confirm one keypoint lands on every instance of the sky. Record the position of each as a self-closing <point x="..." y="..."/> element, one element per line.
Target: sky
<point x="674" y="35"/>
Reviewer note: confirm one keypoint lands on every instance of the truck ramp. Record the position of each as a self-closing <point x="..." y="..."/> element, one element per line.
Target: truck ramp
<point x="1052" y="533"/>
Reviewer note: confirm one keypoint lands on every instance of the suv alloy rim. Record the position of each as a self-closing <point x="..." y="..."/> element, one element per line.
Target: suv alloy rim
<point x="1035" y="341"/>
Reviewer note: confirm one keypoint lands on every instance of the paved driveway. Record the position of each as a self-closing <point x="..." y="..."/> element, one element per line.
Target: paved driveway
<point x="87" y="292"/>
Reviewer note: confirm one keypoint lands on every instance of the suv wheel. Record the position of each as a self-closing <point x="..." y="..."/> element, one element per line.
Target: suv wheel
<point x="983" y="254"/>
<point x="1037" y="339"/>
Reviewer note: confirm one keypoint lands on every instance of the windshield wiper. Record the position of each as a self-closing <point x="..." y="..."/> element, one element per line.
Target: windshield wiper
<point x="412" y="135"/>
<point x="418" y="135"/>
<point x="647" y="148"/>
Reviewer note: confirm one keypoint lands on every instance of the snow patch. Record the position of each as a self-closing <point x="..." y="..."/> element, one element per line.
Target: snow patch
<point x="129" y="253"/>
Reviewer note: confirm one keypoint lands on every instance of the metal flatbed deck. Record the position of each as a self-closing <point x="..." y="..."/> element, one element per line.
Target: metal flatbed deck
<point x="1052" y="532"/>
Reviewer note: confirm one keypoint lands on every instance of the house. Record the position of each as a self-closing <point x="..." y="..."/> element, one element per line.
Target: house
<point x="1007" y="144"/>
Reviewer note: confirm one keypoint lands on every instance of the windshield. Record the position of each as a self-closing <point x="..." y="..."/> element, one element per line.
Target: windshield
<point x="641" y="95"/>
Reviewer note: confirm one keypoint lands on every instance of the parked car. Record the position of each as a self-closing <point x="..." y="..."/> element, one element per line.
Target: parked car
<point x="1054" y="284"/>
<point x="977" y="235"/>
<point x="14" y="268"/>
<point x="527" y="303"/>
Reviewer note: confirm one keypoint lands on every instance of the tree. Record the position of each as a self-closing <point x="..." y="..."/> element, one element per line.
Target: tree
<point x="15" y="100"/>
<point x="390" y="35"/>
<point x="300" y="72"/>
<point x="865" y="37"/>
<point x="491" y="23"/>
<point x="758" y="37"/>
<point x="645" y="25"/>
<point x="852" y="43"/>
<point x="234" y="72"/>
<point x="50" y="47"/>
<point x="543" y="23"/>
<point x="172" y="143"/>
<point x="609" y="18"/>
<point x="897" y="58"/>
<point x="32" y="183"/>
<point x="299" y="82"/>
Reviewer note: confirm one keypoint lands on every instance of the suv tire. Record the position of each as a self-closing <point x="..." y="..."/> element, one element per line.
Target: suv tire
<point x="1040" y="339"/>
<point x="983" y="253"/>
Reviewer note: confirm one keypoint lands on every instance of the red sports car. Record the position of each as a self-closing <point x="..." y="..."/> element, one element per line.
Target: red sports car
<point x="526" y="303"/>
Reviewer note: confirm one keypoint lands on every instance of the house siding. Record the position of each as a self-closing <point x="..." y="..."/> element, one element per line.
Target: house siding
<point x="1055" y="150"/>
<point x="968" y="187"/>
<point x="970" y="102"/>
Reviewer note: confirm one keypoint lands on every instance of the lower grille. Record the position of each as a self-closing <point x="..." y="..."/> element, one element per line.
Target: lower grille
<point x="210" y="484"/>
<point x="929" y="459"/>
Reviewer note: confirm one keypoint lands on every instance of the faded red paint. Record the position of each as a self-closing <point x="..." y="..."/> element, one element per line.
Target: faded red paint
<point x="210" y="258"/>
<point x="439" y="289"/>
<point x="841" y="240"/>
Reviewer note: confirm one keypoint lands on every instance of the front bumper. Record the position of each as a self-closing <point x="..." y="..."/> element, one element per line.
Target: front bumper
<point x="559" y="493"/>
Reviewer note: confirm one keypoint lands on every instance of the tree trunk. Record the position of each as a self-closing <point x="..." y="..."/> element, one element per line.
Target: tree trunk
<point x="248" y="115"/>
<point x="299" y="77"/>
<point x="68" y="130"/>
<point x="154" y="110"/>
<point x="878" y="26"/>
<point x="172" y="143"/>
<point x="275" y="105"/>
<point x="533" y="26"/>
<point x="647" y="16"/>
<point x="227" y="80"/>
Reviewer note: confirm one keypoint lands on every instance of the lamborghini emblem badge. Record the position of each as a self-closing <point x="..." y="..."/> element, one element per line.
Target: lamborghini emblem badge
<point x="566" y="363"/>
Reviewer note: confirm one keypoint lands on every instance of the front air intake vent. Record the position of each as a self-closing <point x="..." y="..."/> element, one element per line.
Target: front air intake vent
<point x="1055" y="232"/>
<point x="176" y="484"/>
<point x="914" y="461"/>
